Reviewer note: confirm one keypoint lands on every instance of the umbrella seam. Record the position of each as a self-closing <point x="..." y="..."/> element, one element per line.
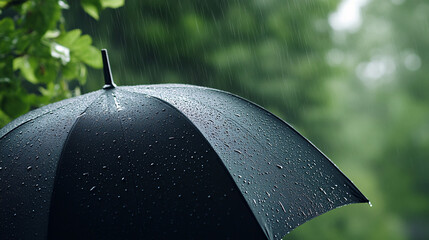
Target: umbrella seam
<point x="299" y="134"/>
<point x="248" y="133"/>
<point x="132" y="175"/>
<point x="34" y="118"/>
<point x="223" y="164"/>
<point x="23" y="123"/>
<point x="72" y="100"/>
<point x="62" y="153"/>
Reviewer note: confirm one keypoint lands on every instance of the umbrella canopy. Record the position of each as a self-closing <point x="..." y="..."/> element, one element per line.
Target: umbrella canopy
<point x="161" y="161"/>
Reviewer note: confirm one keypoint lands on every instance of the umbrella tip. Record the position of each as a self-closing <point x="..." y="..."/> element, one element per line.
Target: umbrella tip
<point x="108" y="79"/>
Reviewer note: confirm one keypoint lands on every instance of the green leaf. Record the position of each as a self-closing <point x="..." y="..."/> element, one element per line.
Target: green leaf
<point x="6" y="67"/>
<point x="4" y="3"/>
<point x="24" y="41"/>
<point x="92" y="7"/>
<point x="47" y="71"/>
<point x="26" y="67"/>
<point x="112" y="3"/>
<point x="49" y="91"/>
<point x="82" y="73"/>
<point x="91" y="56"/>
<point x="71" y="70"/>
<point x="6" y="25"/>
<point x="67" y="39"/>
<point x="82" y="42"/>
<point x="52" y="33"/>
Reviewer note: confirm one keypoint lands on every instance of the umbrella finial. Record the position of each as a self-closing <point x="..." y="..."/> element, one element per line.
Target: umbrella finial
<point x="108" y="79"/>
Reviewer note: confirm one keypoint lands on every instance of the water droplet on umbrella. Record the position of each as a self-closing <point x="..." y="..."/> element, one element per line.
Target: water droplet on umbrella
<point x="29" y="168"/>
<point x="279" y="166"/>
<point x="237" y="151"/>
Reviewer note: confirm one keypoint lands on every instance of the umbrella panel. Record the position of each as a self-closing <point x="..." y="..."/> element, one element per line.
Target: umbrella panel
<point x="29" y="150"/>
<point x="133" y="166"/>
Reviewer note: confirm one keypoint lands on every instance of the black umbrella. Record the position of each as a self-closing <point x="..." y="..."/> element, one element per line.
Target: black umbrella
<point x="161" y="161"/>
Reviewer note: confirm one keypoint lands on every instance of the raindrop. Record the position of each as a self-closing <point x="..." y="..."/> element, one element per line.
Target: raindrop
<point x="370" y="204"/>
<point x="92" y="189"/>
<point x="85" y="174"/>
<point x="279" y="166"/>
<point x="321" y="189"/>
<point x="29" y="168"/>
<point x="237" y="151"/>
<point x="281" y="205"/>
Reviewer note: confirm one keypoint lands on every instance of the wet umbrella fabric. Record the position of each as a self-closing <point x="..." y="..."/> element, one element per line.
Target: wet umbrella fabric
<point x="161" y="161"/>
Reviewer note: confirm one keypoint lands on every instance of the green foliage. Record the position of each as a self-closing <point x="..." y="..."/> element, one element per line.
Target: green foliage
<point x="93" y="7"/>
<point x="40" y="60"/>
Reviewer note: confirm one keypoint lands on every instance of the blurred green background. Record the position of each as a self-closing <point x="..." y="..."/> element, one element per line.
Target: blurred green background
<point x="350" y="75"/>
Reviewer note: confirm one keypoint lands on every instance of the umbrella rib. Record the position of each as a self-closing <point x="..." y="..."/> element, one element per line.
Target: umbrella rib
<point x="288" y="125"/>
<point x="63" y="148"/>
<point x="21" y="124"/>
<point x="34" y="118"/>
<point x="2" y="135"/>
<point x="223" y="164"/>
<point x="299" y="134"/>
<point x="132" y="175"/>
